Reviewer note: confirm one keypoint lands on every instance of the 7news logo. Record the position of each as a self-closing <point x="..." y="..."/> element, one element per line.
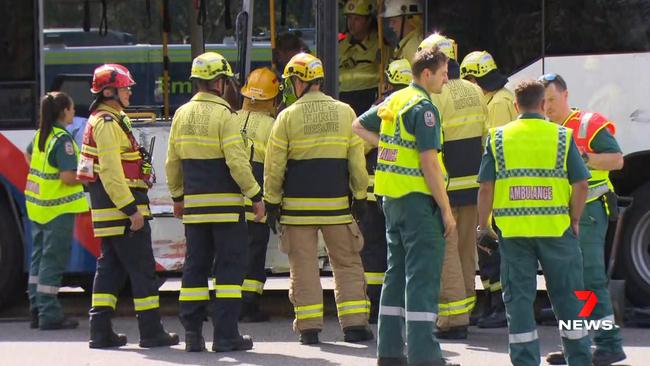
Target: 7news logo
<point x="606" y="323"/>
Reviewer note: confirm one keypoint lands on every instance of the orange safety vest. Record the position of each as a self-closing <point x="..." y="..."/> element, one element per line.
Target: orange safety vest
<point x="585" y="126"/>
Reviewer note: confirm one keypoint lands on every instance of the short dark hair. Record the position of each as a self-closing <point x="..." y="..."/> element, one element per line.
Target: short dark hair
<point x="529" y="94"/>
<point x="429" y="58"/>
<point x="553" y="78"/>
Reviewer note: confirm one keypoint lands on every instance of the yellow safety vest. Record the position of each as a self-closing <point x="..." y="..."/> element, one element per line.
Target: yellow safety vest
<point x="532" y="190"/>
<point x="398" y="162"/>
<point x="358" y="64"/>
<point x="46" y="195"/>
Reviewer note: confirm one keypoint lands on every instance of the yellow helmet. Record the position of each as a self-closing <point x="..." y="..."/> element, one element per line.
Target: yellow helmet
<point x="477" y="64"/>
<point x="210" y="65"/>
<point x="262" y="84"/>
<point x="395" y="8"/>
<point x="304" y="66"/>
<point x="445" y="44"/>
<point x="358" y="7"/>
<point x="399" y="72"/>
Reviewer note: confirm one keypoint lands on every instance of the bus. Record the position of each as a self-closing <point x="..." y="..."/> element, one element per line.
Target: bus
<point x="603" y="59"/>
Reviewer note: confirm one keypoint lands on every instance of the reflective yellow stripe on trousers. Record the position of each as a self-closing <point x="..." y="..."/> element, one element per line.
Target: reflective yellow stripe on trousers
<point x="457" y="307"/>
<point x="99" y="299"/>
<point x="353" y="307"/>
<point x="146" y="303"/>
<point x="253" y="286"/>
<point x="308" y="311"/>
<point x="227" y="291"/>
<point x="194" y="294"/>
<point x="374" y="278"/>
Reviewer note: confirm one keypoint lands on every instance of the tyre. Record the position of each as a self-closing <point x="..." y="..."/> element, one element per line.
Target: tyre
<point x="636" y="248"/>
<point x="12" y="276"/>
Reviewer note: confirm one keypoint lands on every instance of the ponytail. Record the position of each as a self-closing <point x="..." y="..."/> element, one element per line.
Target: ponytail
<point x="52" y="106"/>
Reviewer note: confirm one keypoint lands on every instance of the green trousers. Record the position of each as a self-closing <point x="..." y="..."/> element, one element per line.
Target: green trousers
<point x="593" y="229"/>
<point x="409" y="297"/>
<point x="51" y="243"/>
<point x="561" y="262"/>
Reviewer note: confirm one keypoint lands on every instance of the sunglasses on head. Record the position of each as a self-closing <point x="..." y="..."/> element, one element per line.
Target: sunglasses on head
<point x="548" y="77"/>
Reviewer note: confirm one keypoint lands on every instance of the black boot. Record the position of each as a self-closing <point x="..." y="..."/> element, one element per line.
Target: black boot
<point x="33" y="322"/>
<point x="102" y="334"/>
<point x="391" y="361"/>
<point x="459" y="332"/>
<point x="604" y="358"/>
<point x="497" y="317"/>
<point x="64" y="323"/>
<point x="357" y="334"/>
<point x="194" y="341"/>
<point x="309" y="336"/>
<point x="152" y="333"/>
<point x="242" y="343"/>
<point x="556" y="358"/>
<point x="251" y="313"/>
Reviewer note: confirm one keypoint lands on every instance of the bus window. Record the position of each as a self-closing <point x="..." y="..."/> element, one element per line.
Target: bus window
<point x="19" y="76"/>
<point x="510" y="30"/>
<point x="596" y="26"/>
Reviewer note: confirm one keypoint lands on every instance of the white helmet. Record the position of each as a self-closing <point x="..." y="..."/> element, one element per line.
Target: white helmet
<point x="395" y="8"/>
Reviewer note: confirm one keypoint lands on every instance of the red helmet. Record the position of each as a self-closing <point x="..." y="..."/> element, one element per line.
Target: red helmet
<point x="111" y="76"/>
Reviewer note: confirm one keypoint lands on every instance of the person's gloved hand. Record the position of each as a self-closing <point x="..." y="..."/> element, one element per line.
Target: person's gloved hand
<point x="272" y="215"/>
<point x="487" y="240"/>
<point x="359" y="208"/>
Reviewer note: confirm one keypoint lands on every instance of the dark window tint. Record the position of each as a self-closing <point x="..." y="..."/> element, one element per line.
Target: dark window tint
<point x="19" y="76"/>
<point x="509" y="30"/>
<point x="597" y="26"/>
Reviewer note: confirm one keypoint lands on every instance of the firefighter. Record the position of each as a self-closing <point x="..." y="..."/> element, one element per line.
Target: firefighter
<point x="373" y="223"/>
<point x="464" y="118"/>
<point x="405" y="19"/>
<point x="398" y="76"/>
<point x="359" y="56"/>
<point x="409" y="177"/>
<point x="113" y="163"/>
<point x="208" y="175"/>
<point x="53" y="196"/>
<point x="255" y="121"/>
<point x="533" y="181"/>
<point x="594" y="135"/>
<point x="479" y="67"/>
<point x="313" y="164"/>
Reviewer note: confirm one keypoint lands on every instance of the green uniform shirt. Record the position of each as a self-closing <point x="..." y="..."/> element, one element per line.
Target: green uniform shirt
<point x="63" y="156"/>
<point x="427" y="134"/>
<point x="576" y="168"/>
<point x="604" y="142"/>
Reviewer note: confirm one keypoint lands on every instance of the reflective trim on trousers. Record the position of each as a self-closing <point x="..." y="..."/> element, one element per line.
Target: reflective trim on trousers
<point x="574" y="334"/>
<point x="494" y="287"/>
<point x="194" y="294"/>
<point x="523" y="337"/>
<point x="45" y="289"/>
<point x="109" y="300"/>
<point x="253" y="286"/>
<point x="374" y="278"/>
<point x="146" y="303"/>
<point x="308" y="311"/>
<point x="421" y="316"/>
<point x="457" y="307"/>
<point x="353" y="307"/>
<point x="392" y="311"/>
<point x="32" y="280"/>
<point x="227" y="291"/>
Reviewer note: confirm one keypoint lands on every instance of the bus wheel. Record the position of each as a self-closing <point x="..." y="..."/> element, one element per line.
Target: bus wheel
<point x="12" y="278"/>
<point x="636" y="248"/>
